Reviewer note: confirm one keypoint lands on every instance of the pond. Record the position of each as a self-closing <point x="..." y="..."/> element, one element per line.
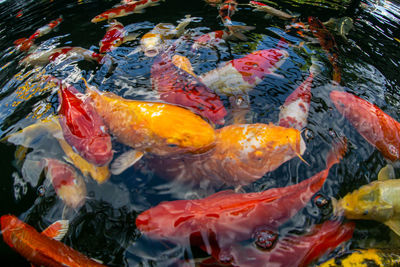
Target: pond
<point x="363" y="59"/>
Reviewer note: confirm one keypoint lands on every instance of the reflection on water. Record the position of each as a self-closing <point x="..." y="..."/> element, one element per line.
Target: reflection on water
<point x="104" y="226"/>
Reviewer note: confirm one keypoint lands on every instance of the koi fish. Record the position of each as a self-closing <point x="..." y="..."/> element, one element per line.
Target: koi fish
<point x="375" y="201"/>
<point x="226" y="217"/>
<point x="216" y="37"/>
<point x="240" y="75"/>
<point x="328" y="43"/>
<point x="270" y="10"/>
<point x="25" y="44"/>
<point x="377" y="127"/>
<point x="151" y="126"/>
<point x="294" y="111"/>
<point x="44" y="57"/>
<point x="51" y="126"/>
<point x="67" y="183"/>
<point x="114" y="37"/>
<point x="242" y="154"/>
<point x="227" y="10"/>
<point x="83" y="128"/>
<point x="176" y="86"/>
<point x="365" y="258"/>
<point x="126" y="9"/>
<point x="152" y="42"/>
<point x="41" y="249"/>
<point x="291" y="250"/>
<point x="213" y="2"/>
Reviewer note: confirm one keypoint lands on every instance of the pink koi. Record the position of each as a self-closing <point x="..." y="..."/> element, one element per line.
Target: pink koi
<point x="377" y="127"/>
<point x="240" y="75"/>
<point x="177" y="86"/>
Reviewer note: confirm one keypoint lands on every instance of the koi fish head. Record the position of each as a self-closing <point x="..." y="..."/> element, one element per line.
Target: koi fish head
<point x="255" y="66"/>
<point x="367" y="203"/>
<point x="101" y="17"/>
<point x="151" y="44"/>
<point x="98" y="150"/>
<point x="248" y="151"/>
<point x="113" y="37"/>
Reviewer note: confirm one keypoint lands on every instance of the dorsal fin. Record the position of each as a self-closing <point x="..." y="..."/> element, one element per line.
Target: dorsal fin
<point x="386" y="173"/>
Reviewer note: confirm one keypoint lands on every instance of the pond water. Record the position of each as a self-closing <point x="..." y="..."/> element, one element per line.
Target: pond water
<point x="104" y="227"/>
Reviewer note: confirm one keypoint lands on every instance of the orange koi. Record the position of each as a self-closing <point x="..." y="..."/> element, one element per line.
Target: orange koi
<point x="151" y="126"/>
<point x="39" y="248"/>
<point x="242" y="154"/>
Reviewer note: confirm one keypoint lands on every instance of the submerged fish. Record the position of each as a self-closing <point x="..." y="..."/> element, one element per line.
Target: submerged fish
<point x="126" y="9"/>
<point x="294" y="112"/>
<point x="366" y="258"/>
<point x="377" y="201"/>
<point x="151" y="126"/>
<point x="40" y="248"/>
<point x="290" y="249"/>
<point x="25" y="44"/>
<point x="226" y="218"/>
<point x="83" y="128"/>
<point x="240" y="75"/>
<point x="377" y="127"/>
<point x="270" y="10"/>
<point x="177" y="86"/>
<point x="328" y="43"/>
<point x="51" y="126"/>
<point x="114" y="37"/>
<point x="152" y="43"/>
<point x="242" y="154"/>
<point x="45" y="57"/>
<point x="67" y="183"/>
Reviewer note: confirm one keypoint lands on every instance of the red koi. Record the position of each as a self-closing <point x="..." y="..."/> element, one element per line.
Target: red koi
<point x="291" y="250"/>
<point x="69" y="186"/>
<point x="114" y="37"/>
<point x="226" y="217"/>
<point x="328" y="43"/>
<point x="38" y="248"/>
<point x="83" y="128"/>
<point x="44" y="57"/>
<point x="377" y="127"/>
<point x="227" y="10"/>
<point x="177" y="86"/>
<point x="24" y="44"/>
<point x="240" y="75"/>
<point x="126" y="9"/>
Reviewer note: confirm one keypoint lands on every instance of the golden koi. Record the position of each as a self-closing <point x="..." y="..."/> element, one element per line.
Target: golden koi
<point x="151" y="126"/>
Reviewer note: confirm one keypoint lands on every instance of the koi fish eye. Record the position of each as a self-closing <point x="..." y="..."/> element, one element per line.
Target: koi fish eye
<point x="265" y="239"/>
<point x="172" y="145"/>
<point x="321" y="201"/>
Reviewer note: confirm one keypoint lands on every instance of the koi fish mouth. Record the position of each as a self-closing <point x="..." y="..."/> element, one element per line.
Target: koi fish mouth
<point x="151" y="52"/>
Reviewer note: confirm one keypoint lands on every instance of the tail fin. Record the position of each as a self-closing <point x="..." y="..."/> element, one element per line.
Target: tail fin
<point x="238" y="30"/>
<point x="23" y="44"/>
<point x="337" y="153"/>
<point x="315" y="67"/>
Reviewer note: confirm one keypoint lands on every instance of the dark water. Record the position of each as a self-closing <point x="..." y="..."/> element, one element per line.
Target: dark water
<point x="104" y="228"/>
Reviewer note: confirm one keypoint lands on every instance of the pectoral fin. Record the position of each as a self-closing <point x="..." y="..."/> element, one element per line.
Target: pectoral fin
<point x="126" y="160"/>
<point x="57" y="230"/>
<point x="394" y="225"/>
<point x="386" y="173"/>
<point x="130" y="37"/>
